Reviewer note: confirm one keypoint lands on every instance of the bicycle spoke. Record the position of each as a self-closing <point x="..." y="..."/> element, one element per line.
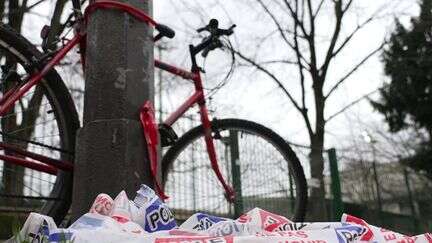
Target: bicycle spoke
<point x="33" y="126"/>
<point x="20" y="112"/>
<point x="47" y="136"/>
<point x="33" y="177"/>
<point x="26" y="186"/>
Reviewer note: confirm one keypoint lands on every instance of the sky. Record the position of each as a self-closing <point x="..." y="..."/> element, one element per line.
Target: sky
<point x="250" y="94"/>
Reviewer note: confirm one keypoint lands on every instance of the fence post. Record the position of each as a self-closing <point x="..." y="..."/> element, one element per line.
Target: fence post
<point x="236" y="175"/>
<point x="335" y="185"/>
<point x="110" y="150"/>
<point x="411" y="200"/>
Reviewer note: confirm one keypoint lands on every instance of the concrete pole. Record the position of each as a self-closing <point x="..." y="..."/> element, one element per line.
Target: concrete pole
<point x="110" y="150"/>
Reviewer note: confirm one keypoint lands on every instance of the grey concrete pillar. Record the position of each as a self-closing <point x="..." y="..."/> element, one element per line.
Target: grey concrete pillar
<point x="110" y="150"/>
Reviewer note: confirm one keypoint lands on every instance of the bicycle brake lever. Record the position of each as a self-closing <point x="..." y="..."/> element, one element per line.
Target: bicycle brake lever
<point x="228" y="31"/>
<point x="201" y="29"/>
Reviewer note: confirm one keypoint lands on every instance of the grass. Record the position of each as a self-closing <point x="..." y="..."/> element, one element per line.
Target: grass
<point x="41" y="238"/>
<point x="7" y="224"/>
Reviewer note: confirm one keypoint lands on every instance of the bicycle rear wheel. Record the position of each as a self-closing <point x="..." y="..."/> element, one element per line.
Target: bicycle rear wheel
<point x="44" y="122"/>
<point x="260" y="165"/>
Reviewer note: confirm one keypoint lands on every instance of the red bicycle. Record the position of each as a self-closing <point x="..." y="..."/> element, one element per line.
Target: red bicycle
<point x="221" y="167"/>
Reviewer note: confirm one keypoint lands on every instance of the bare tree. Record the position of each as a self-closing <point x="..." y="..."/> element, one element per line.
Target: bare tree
<point x="297" y="31"/>
<point x="306" y="36"/>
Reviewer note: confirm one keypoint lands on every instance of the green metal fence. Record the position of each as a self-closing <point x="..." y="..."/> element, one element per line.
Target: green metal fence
<point x="385" y="194"/>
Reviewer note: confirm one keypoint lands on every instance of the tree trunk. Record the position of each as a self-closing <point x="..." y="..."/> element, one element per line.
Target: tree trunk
<point x="55" y="23"/>
<point x="317" y="208"/>
<point x="14" y="15"/>
<point x="2" y="8"/>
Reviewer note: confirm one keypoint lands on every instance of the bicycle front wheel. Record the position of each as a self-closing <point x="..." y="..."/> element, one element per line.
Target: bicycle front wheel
<point x="257" y="162"/>
<point x="44" y="121"/>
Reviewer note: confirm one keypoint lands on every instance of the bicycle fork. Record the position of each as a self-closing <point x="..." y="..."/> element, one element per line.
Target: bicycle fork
<point x="229" y="191"/>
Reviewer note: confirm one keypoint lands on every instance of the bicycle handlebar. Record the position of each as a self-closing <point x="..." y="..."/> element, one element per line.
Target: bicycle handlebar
<point x="212" y="41"/>
<point x="164" y="31"/>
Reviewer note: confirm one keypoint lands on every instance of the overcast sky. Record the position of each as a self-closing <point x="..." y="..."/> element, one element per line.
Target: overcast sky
<point x="253" y="96"/>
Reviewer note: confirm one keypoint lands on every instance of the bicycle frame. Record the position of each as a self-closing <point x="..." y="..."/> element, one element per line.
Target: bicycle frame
<point x="51" y="166"/>
<point x="196" y="98"/>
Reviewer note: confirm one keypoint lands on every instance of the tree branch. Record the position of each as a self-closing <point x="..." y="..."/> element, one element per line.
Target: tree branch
<point x="351" y="104"/>
<point x="311" y="42"/>
<point x="279" y="27"/>
<point x="271" y="75"/>
<point x="300" y="67"/>
<point x="23" y="8"/>
<point x="55" y="23"/>
<point x="347" y="6"/>
<point x="34" y="4"/>
<point x="318" y="8"/>
<point x="355" y="68"/>
<point x="350" y="36"/>
<point x="13" y="15"/>
<point x="295" y="16"/>
<point x="2" y="9"/>
<point x="302" y="111"/>
<point x="339" y="13"/>
<point x="284" y="61"/>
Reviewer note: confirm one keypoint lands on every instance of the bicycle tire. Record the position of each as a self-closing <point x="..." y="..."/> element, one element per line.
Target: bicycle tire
<point x="176" y="176"/>
<point x="55" y="104"/>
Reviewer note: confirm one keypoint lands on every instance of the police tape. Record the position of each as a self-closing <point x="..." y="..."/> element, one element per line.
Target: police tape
<point x="152" y="214"/>
<point x="146" y="219"/>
